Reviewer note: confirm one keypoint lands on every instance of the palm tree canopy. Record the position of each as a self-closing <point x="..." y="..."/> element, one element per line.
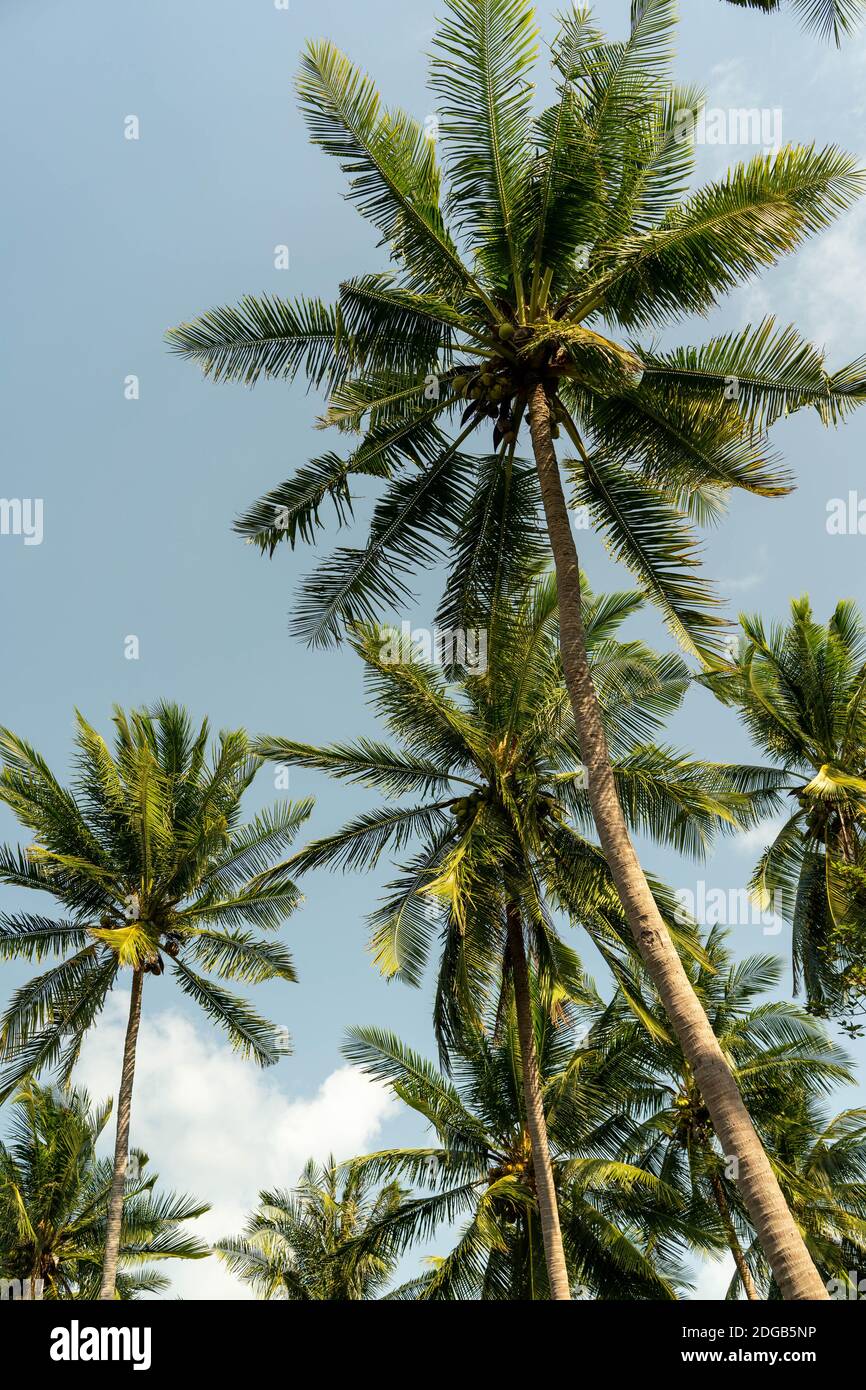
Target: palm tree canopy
<point x="479" y="1169"/>
<point x="540" y="241"/>
<point x="801" y="690"/>
<point x="775" y="1048"/>
<point x="54" y="1194"/>
<point x="785" y="1067"/>
<point x="302" y="1245"/>
<point x="148" y="857"/>
<point x="821" y="1162"/>
<point x="830" y="19"/>
<point x="501" y="807"/>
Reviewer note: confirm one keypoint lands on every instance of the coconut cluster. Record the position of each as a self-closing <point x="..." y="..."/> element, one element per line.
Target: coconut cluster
<point x="492" y="387"/>
<point x="464" y="809"/>
<point x="693" y="1116"/>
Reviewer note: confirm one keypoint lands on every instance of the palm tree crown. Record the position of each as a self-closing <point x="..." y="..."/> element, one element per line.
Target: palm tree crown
<point x="148" y="856"/>
<point x="781" y="1058"/>
<point x="503" y="810"/>
<point x="557" y="233"/>
<point x="54" y="1195"/>
<point x="479" y="1167"/>
<point x="303" y="1245"/>
<point x="801" y="690"/>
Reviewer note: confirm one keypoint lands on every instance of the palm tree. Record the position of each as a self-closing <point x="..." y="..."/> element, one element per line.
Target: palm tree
<point x="147" y="855"/>
<point x="821" y="1164"/>
<point x="502" y="813"/>
<point x="846" y="898"/>
<point x="300" y="1245"/>
<point x="831" y="19"/>
<point x="801" y="690"/>
<point x="54" y="1203"/>
<point x="777" y="1052"/>
<point x="480" y="1166"/>
<point x="560" y="226"/>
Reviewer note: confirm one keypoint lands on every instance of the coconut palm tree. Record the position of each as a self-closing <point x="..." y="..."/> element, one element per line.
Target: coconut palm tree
<point x="504" y="812"/>
<point x="800" y="688"/>
<point x="846" y="898"/>
<point x="777" y="1052"/>
<point x="147" y="855"/>
<point x="821" y="1164"/>
<point x="831" y="19"/>
<point x="301" y="1245"/>
<point x="479" y="1166"/>
<point x="54" y="1203"/>
<point x="559" y="233"/>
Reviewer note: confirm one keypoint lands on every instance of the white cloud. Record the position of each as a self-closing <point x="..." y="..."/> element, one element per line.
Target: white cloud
<point x="218" y="1127"/>
<point x="750" y="581"/>
<point x="825" y="282"/>
<point x="713" y="1279"/>
<point x="829" y="286"/>
<point x="728" y="81"/>
<point x="760" y="836"/>
<point x="752" y="303"/>
<point x="840" y="75"/>
<point x="745" y="582"/>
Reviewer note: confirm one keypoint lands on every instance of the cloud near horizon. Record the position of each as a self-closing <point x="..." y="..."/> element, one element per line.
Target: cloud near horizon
<point x="218" y="1127"/>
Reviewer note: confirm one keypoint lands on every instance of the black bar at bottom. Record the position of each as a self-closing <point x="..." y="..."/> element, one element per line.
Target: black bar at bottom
<point x="63" y="1339"/>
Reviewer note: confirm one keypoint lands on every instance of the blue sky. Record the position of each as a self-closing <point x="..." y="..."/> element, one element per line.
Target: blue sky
<point x="107" y="243"/>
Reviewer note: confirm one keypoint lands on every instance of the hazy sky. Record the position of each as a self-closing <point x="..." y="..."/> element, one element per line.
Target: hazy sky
<point x="108" y="242"/>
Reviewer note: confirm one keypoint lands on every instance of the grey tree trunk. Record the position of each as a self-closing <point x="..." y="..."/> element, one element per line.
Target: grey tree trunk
<point x="121" y="1143"/>
<point x="733" y="1243"/>
<point x="777" y="1231"/>
<point x="548" y="1210"/>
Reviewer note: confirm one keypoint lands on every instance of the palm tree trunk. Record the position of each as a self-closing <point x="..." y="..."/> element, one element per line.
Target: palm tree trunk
<point x="777" y="1231"/>
<point x="734" y="1245"/>
<point x="121" y="1143"/>
<point x="557" y="1273"/>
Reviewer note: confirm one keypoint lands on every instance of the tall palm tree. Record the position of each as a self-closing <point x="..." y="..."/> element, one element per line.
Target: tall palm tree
<point x="503" y="812"/>
<point x="831" y="19"/>
<point x="554" y="228"/>
<point x="479" y="1166"/>
<point x="800" y="688"/>
<point x="777" y="1052"/>
<point x="147" y="855"/>
<point x="54" y="1203"/>
<point x="301" y="1245"/>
